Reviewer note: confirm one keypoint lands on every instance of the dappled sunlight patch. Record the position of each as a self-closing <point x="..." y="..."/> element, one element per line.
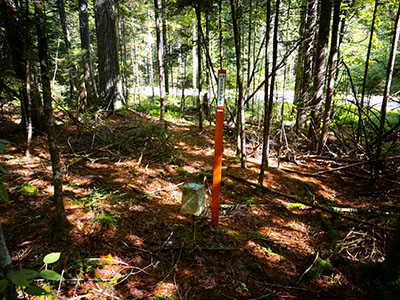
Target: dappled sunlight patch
<point x="134" y="240"/>
<point x="164" y="290"/>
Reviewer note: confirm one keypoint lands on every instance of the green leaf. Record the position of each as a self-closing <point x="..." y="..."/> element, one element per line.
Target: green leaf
<point x="3" y="285"/>
<point x="2" y="147"/>
<point x="35" y="291"/>
<point x="19" y="279"/>
<point x="28" y="274"/>
<point x="50" y="275"/>
<point x="3" y="191"/>
<point x="51" y="258"/>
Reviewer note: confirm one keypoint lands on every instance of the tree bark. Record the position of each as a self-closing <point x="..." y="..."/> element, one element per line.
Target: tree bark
<point x="160" y="60"/>
<point x="165" y="46"/>
<point x="199" y="70"/>
<point x="18" y="38"/>
<point x="88" y="76"/>
<point x="265" y="130"/>
<point x="331" y="76"/>
<point x="273" y="77"/>
<point x="61" y="225"/>
<point x="321" y="53"/>
<point x="308" y="65"/>
<point x="236" y="8"/>
<point x="107" y="49"/>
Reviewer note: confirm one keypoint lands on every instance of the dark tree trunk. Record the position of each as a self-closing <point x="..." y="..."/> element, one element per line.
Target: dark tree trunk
<point x="220" y="48"/>
<point x="107" y="49"/>
<point x="265" y="130"/>
<point x="61" y="226"/>
<point x="63" y="19"/>
<point x="386" y="92"/>
<point x="85" y="45"/>
<point x="273" y="77"/>
<point x="236" y="7"/>
<point x="331" y="76"/>
<point x="160" y="60"/>
<point x="321" y="54"/>
<point x="17" y="26"/>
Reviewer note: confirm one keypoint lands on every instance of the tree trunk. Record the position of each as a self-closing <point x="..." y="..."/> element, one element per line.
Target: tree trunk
<point x="18" y="38"/>
<point x="273" y="77"/>
<point x="308" y="66"/>
<point x="199" y="74"/>
<point x="331" y="76"/>
<point x="61" y="226"/>
<point x="88" y="75"/>
<point x="321" y="53"/>
<point x="386" y="92"/>
<point x="160" y="60"/>
<point x="63" y="19"/>
<point x="107" y="49"/>
<point x="364" y="84"/>
<point x="265" y="130"/>
<point x="220" y="47"/>
<point x="236" y="7"/>
<point x="165" y="46"/>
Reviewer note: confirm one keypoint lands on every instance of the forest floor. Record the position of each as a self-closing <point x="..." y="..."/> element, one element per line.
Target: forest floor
<point x="129" y="240"/>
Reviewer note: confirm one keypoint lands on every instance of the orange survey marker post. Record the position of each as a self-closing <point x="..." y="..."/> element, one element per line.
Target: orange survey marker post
<point x="219" y="130"/>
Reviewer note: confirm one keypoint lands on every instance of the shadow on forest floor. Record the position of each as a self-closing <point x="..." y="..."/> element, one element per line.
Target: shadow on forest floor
<point x="122" y="195"/>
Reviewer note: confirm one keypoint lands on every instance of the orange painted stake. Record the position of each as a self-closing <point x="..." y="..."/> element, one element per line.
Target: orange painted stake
<point x="219" y="131"/>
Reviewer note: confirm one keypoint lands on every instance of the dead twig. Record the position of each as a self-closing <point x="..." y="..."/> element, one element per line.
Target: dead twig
<point x="309" y="268"/>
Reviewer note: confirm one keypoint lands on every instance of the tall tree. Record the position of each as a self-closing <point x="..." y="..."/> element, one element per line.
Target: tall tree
<point x="61" y="225"/>
<point x="107" y="49"/>
<point x="199" y="69"/>
<point x="386" y="92"/>
<point x="331" y="75"/>
<point x="63" y="19"/>
<point x="304" y="76"/>
<point x="265" y="130"/>
<point x="88" y="74"/>
<point x="17" y="29"/>
<point x="236" y="9"/>
<point x="321" y="54"/>
<point x="160" y="60"/>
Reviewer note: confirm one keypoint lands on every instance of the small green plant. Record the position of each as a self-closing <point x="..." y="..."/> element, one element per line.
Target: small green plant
<point x="321" y="266"/>
<point x="28" y="189"/>
<point x="23" y="279"/>
<point x="105" y="219"/>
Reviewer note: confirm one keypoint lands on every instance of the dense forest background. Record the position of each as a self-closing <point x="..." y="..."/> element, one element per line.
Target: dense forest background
<point x="312" y="90"/>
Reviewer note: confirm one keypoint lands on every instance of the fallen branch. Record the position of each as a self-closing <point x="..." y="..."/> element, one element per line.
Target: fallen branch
<point x="314" y="205"/>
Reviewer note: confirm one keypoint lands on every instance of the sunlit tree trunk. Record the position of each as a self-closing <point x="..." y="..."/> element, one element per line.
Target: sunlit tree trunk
<point x="321" y="54"/>
<point x="88" y="75"/>
<point x="265" y="130"/>
<point x="236" y="8"/>
<point x="331" y="76"/>
<point x="107" y="49"/>
<point x="160" y="60"/>
<point x="304" y="98"/>
<point x="61" y="226"/>
<point x="165" y="46"/>
<point x="199" y="70"/>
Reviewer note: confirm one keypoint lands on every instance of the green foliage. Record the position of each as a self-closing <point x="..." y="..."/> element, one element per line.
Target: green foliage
<point x="105" y="219"/>
<point x="23" y="279"/>
<point x="321" y="266"/>
<point x="28" y="189"/>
